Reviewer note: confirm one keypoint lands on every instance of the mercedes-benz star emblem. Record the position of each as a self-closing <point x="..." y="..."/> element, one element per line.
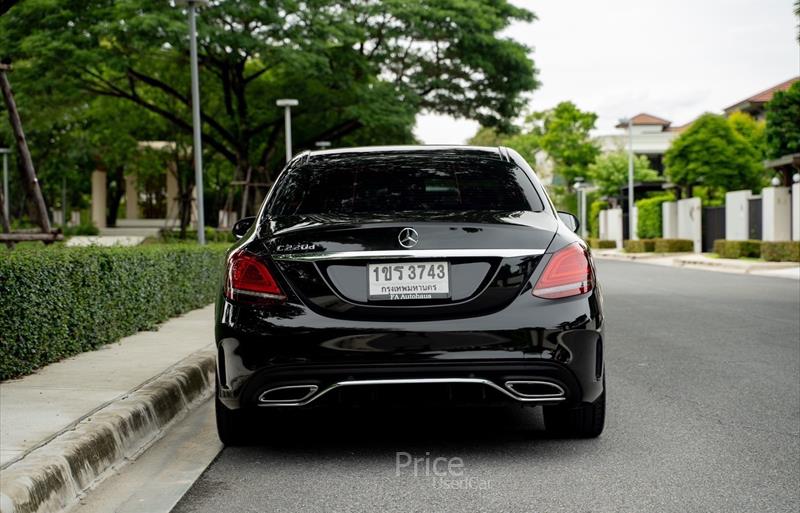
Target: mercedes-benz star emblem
<point x="408" y="237"/>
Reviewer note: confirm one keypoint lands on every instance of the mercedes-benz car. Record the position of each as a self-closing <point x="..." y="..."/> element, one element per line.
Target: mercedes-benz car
<point x="405" y="274"/>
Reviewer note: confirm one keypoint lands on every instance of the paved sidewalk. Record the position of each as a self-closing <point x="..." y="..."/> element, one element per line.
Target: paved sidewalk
<point x="36" y="408"/>
<point x="788" y="270"/>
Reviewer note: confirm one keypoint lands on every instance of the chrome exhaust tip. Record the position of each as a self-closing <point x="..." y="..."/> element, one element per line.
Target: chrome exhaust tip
<point x="287" y="394"/>
<point x="536" y="389"/>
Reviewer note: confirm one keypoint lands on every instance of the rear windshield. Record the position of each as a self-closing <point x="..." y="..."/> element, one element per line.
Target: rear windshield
<point x="403" y="183"/>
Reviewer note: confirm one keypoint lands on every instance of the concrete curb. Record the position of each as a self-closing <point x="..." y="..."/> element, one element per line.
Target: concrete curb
<point x="54" y="476"/>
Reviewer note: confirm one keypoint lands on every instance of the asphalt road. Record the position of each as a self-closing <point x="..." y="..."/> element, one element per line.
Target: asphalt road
<point x="703" y="415"/>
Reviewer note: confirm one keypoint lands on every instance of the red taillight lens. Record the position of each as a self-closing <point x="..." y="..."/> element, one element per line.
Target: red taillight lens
<point x="249" y="280"/>
<point x="567" y="274"/>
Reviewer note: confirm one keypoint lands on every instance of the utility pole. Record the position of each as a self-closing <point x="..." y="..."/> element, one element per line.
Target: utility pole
<point x="30" y="181"/>
<point x="628" y="122"/>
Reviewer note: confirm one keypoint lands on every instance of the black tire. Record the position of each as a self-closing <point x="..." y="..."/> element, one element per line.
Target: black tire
<point x="233" y="426"/>
<point x="583" y="421"/>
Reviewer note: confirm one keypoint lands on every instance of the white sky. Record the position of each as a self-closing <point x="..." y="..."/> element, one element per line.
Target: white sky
<point x="671" y="58"/>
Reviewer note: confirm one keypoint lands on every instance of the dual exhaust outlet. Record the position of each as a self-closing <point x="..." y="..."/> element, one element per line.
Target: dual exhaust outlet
<point x="520" y="390"/>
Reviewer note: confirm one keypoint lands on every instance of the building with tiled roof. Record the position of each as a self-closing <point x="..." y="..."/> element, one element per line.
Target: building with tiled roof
<point x="754" y="105"/>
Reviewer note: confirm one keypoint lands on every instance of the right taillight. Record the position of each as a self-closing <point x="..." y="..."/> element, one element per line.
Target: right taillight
<point x="568" y="273"/>
<point x="249" y="280"/>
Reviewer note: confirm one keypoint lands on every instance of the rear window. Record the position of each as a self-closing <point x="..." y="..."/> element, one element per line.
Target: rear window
<point x="403" y="183"/>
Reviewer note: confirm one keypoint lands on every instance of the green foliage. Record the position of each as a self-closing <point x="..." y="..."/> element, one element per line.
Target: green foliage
<point x="81" y="229"/>
<point x="609" y="171"/>
<point x="712" y="154"/>
<point x="62" y="301"/>
<point x="783" y="122"/>
<point x="673" y="245"/>
<point x="361" y="70"/>
<point x="737" y="248"/>
<point x="564" y="133"/>
<point x="595" y="243"/>
<point x="594" y="216"/>
<point x="639" y="246"/>
<point x="648" y="221"/>
<point x="752" y="131"/>
<point x="783" y="251"/>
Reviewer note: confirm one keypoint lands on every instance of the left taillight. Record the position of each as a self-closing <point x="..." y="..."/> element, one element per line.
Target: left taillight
<point x="248" y="280"/>
<point x="568" y="273"/>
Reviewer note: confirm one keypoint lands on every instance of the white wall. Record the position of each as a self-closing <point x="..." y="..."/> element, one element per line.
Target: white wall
<point x="603" y="225"/>
<point x="99" y="198"/>
<point x="796" y="211"/>
<point x="669" y="220"/>
<point x="737" y="215"/>
<point x="615" y="226"/>
<point x="690" y="222"/>
<point x="776" y="213"/>
<point x="635" y="217"/>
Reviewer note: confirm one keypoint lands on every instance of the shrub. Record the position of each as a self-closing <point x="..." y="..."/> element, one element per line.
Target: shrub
<point x="783" y="251"/>
<point x="673" y="245"/>
<point x="81" y="229"/>
<point x="737" y="248"/>
<point x="594" y="217"/>
<point x="648" y="223"/>
<point x="640" y="246"/>
<point x="595" y="243"/>
<point x="61" y="301"/>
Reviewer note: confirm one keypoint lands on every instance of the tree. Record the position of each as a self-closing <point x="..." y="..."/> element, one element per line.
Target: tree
<point x="563" y="132"/>
<point x="783" y="122"/>
<point x="361" y="69"/>
<point x="609" y="171"/>
<point x="712" y="154"/>
<point x="751" y="131"/>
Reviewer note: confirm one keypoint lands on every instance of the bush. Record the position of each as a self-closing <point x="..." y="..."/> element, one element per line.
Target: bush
<point x="58" y="302"/>
<point x="640" y="246"/>
<point x="737" y="248"/>
<point x="783" y="251"/>
<point x="601" y="244"/>
<point x="81" y="229"/>
<point x="673" y="245"/>
<point x="212" y="235"/>
<point x="594" y="217"/>
<point x="648" y="223"/>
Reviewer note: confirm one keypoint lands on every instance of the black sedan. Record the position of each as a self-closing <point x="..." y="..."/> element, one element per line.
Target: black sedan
<point x="409" y="274"/>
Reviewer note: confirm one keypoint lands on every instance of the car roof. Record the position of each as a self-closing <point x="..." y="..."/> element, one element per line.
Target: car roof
<point x="399" y="150"/>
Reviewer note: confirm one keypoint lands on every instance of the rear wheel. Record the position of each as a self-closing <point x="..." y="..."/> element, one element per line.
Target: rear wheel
<point x="583" y="421"/>
<point x="233" y="426"/>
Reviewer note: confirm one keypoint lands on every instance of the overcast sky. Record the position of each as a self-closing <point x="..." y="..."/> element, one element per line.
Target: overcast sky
<point x="672" y="58"/>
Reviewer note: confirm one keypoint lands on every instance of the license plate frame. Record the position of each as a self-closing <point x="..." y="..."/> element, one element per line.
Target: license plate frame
<point x="404" y="283"/>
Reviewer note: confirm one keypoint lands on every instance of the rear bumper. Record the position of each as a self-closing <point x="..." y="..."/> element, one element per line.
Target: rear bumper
<point x="558" y="343"/>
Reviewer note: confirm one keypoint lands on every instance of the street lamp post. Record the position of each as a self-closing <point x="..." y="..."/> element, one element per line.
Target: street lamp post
<point x="631" y="227"/>
<point x="197" y="145"/>
<point x="287" y="104"/>
<point x="579" y="188"/>
<point x="5" y="152"/>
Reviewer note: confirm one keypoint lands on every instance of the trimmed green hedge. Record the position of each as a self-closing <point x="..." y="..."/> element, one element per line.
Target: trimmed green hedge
<point x="737" y="248"/>
<point x="601" y="243"/>
<point x="594" y="217"/>
<point x="783" y="251"/>
<point x="648" y="223"/>
<point x="640" y="246"/>
<point x="57" y="302"/>
<point x="673" y="245"/>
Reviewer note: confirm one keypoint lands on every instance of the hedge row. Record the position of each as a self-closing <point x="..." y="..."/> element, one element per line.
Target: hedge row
<point x="648" y="218"/>
<point x="60" y="301"/>
<point x="601" y="243"/>
<point x="787" y="251"/>
<point x="639" y="246"/>
<point x="212" y="235"/>
<point x="737" y="248"/>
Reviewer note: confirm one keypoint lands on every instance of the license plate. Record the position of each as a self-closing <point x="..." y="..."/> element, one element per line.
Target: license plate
<point x="408" y="280"/>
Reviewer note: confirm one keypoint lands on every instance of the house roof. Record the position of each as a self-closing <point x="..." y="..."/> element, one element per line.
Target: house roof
<point x="763" y="96"/>
<point x="646" y="119"/>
